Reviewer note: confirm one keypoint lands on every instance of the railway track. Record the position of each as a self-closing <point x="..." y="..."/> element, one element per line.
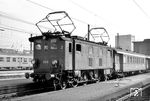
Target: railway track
<point x="9" y="91"/>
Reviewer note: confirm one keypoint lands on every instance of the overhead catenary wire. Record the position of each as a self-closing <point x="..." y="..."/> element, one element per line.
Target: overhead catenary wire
<point x="141" y="9"/>
<point x="16" y="29"/>
<point x="87" y="10"/>
<point x="2" y="14"/>
<point x="54" y="10"/>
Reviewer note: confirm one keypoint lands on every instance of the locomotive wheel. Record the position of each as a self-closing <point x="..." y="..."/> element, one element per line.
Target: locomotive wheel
<point x="75" y="83"/>
<point x="56" y="83"/>
<point x="85" y="79"/>
<point x="63" y="85"/>
<point x="35" y="80"/>
<point x="27" y="75"/>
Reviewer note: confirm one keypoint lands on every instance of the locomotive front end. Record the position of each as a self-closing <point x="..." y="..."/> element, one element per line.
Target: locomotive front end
<point x="49" y="48"/>
<point x="48" y="56"/>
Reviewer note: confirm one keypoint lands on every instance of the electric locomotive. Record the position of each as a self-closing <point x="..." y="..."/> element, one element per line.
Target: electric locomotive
<point x="65" y="60"/>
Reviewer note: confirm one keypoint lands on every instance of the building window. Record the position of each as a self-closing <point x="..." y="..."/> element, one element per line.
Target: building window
<point x="8" y="59"/>
<point x="100" y="61"/>
<point x="70" y="47"/>
<point x="1" y="59"/>
<point x="90" y="61"/>
<point x="78" y="47"/>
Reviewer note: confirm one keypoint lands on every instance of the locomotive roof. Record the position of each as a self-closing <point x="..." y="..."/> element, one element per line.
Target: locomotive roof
<point x="66" y="38"/>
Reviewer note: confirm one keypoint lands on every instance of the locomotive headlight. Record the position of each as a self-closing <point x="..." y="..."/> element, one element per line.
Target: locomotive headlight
<point x="52" y="75"/>
<point x="54" y="62"/>
<point x="33" y="61"/>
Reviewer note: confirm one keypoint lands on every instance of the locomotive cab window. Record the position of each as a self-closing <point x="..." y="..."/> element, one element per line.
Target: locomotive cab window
<point x="70" y="47"/>
<point x="78" y="47"/>
<point x="38" y="47"/>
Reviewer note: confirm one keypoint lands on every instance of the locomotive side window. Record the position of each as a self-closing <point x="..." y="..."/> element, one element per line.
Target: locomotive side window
<point x="100" y="61"/>
<point x="70" y="47"/>
<point x="53" y="44"/>
<point x="78" y="47"/>
<point x="45" y="47"/>
<point x="90" y="61"/>
<point x="1" y="59"/>
<point x="90" y="50"/>
<point x="100" y="51"/>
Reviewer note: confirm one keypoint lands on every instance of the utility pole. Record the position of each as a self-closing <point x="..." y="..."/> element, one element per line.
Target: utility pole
<point x="88" y="37"/>
<point x="31" y="45"/>
<point x="118" y="46"/>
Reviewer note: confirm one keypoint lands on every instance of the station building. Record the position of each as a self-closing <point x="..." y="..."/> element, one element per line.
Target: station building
<point x="124" y="42"/>
<point x="127" y="42"/>
<point x="142" y="47"/>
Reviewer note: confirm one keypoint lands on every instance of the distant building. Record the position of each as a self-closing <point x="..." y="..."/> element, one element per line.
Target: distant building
<point x="142" y="47"/>
<point x="124" y="42"/>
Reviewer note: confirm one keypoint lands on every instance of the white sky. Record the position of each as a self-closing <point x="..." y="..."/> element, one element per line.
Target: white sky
<point x="117" y="16"/>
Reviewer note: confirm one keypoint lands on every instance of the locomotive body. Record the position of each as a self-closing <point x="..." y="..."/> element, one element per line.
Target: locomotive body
<point x="69" y="57"/>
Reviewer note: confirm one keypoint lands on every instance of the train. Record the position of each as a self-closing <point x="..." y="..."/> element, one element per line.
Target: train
<point x="12" y="60"/>
<point x="64" y="60"/>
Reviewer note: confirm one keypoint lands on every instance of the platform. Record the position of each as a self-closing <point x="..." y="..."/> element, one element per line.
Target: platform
<point x="102" y="91"/>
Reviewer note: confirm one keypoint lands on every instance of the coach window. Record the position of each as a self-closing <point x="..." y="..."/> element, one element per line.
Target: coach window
<point x="128" y="59"/>
<point x="14" y="59"/>
<point x="70" y="47"/>
<point x="20" y="59"/>
<point x="25" y="59"/>
<point x="1" y="59"/>
<point x="30" y="59"/>
<point x="8" y="59"/>
<point x="78" y="47"/>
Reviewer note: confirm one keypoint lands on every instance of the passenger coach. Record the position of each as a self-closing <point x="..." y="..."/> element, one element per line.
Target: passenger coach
<point x="128" y="62"/>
